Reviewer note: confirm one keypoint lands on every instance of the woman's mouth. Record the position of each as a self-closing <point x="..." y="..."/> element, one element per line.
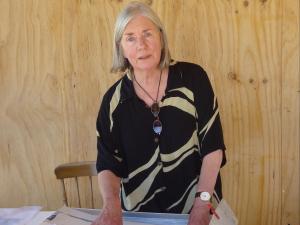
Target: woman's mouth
<point x="144" y="57"/>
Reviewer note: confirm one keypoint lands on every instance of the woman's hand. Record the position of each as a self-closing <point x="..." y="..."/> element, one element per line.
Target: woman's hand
<point x="110" y="215"/>
<point x="200" y="214"/>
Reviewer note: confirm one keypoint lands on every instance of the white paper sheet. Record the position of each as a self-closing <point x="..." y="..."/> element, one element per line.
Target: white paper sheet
<point x="70" y="216"/>
<point x="18" y="216"/>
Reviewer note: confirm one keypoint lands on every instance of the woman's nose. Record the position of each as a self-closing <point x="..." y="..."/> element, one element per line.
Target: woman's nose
<point x="141" y="42"/>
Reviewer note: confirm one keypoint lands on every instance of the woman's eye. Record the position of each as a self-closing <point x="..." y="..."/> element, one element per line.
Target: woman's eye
<point x="130" y="39"/>
<point x="147" y="34"/>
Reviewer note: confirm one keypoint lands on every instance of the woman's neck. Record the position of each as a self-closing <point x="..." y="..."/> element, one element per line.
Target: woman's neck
<point x="147" y="77"/>
<point x="153" y="83"/>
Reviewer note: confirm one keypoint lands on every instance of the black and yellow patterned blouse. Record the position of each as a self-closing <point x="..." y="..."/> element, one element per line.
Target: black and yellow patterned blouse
<point x="160" y="177"/>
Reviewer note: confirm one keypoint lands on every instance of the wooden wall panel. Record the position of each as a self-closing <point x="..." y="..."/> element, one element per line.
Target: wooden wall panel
<point x="290" y="118"/>
<point x="55" y="58"/>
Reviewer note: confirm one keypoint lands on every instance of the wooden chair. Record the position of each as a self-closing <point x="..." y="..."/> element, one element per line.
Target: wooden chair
<point x="75" y="170"/>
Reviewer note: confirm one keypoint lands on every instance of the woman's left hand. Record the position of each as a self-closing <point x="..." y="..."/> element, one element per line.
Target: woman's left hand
<point x="200" y="214"/>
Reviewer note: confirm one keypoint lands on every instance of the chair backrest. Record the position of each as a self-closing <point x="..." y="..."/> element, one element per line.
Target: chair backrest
<point x="75" y="170"/>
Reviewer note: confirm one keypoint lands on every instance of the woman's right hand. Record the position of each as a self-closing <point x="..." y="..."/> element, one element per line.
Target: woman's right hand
<point x="109" y="215"/>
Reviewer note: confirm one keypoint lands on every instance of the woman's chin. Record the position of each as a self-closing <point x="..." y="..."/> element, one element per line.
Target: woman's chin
<point x="144" y="65"/>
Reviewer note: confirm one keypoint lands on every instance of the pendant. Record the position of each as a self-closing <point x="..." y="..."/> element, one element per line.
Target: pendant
<point x="155" y="109"/>
<point x="157" y="126"/>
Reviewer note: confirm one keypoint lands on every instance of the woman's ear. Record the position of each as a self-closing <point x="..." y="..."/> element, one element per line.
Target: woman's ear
<point x="127" y="64"/>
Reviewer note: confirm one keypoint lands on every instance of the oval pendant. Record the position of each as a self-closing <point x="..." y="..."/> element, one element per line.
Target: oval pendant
<point x="157" y="126"/>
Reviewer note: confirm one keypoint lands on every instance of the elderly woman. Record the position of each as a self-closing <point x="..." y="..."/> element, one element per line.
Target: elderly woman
<point x="160" y="142"/>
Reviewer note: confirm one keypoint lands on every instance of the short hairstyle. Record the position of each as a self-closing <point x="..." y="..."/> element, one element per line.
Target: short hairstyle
<point x="133" y="9"/>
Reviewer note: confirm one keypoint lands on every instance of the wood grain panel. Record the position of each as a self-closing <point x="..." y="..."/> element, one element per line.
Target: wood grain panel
<point x="51" y="96"/>
<point x="55" y="58"/>
<point x="290" y="207"/>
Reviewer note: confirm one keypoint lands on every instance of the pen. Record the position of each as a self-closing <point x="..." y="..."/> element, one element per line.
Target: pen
<point x="212" y="210"/>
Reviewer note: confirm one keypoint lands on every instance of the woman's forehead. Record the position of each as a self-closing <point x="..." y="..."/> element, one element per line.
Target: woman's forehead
<point x="139" y="23"/>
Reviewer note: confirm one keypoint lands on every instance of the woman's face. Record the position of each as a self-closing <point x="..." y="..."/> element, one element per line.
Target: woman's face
<point x="141" y="44"/>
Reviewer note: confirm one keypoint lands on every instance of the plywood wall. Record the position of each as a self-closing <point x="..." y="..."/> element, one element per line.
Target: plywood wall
<point x="55" y="58"/>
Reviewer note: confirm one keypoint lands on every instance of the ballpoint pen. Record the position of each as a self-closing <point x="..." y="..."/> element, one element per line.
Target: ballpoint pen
<point x="212" y="210"/>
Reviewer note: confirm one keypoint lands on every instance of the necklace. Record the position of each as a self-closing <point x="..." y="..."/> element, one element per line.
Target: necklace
<point x="157" y="125"/>
<point x="154" y="107"/>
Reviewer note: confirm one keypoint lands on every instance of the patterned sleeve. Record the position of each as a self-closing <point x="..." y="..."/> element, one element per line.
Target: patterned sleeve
<point x="109" y="155"/>
<point x="210" y="132"/>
